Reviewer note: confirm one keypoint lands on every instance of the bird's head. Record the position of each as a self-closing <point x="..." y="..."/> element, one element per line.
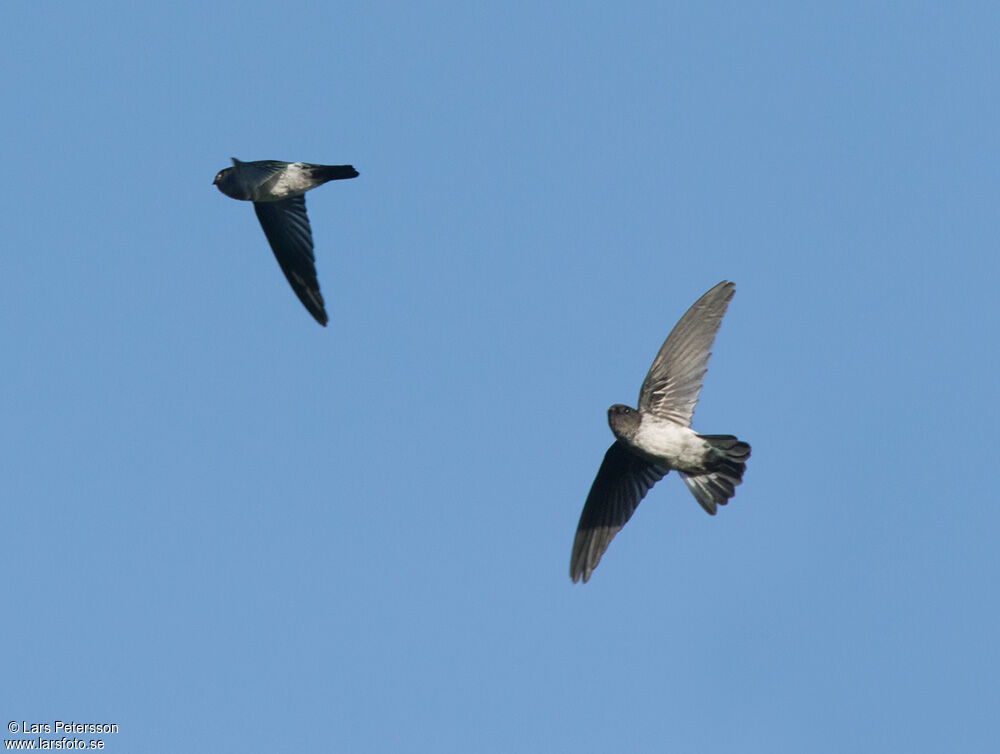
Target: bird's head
<point x="228" y="183"/>
<point x="624" y="421"/>
<point x="223" y="177"/>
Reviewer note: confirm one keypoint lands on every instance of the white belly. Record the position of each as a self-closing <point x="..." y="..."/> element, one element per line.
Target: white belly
<point x="670" y="444"/>
<point x="293" y="181"/>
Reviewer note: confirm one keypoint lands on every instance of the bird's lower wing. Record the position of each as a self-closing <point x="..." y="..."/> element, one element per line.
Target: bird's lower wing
<point x="286" y="226"/>
<point x="622" y="481"/>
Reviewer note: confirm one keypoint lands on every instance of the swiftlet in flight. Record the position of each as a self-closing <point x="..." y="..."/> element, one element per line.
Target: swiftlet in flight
<point x="658" y="437"/>
<point x="277" y="190"/>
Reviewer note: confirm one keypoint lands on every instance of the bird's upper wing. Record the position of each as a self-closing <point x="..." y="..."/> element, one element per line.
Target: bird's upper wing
<point x="622" y="481"/>
<point x="259" y="170"/>
<point x="671" y="387"/>
<point x="286" y="226"/>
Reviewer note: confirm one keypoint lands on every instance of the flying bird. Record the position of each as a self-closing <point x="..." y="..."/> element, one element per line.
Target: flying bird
<point x="277" y="190"/>
<point x="657" y="437"/>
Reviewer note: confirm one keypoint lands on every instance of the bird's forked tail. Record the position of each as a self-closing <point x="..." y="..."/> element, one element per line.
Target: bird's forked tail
<point x="326" y="173"/>
<point x="715" y="487"/>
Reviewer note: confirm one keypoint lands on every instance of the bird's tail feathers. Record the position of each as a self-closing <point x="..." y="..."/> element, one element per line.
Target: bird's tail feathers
<point x="715" y="487"/>
<point x="333" y="172"/>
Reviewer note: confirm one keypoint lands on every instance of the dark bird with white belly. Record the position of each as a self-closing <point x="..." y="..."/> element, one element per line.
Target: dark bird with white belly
<point x="277" y="190"/>
<point x="657" y="437"/>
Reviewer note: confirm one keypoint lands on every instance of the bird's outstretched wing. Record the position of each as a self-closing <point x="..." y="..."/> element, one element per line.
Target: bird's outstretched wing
<point x="671" y="387"/>
<point x="286" y="226"/>
<point x="622" y="481"/>
<point x="258" y="171"/>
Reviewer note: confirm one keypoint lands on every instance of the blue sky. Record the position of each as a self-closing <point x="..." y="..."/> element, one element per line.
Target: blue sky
<point x="229" y="529"/>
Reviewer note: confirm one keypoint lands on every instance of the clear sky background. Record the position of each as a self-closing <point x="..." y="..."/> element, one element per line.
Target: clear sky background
<point x="228" y="529"/>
